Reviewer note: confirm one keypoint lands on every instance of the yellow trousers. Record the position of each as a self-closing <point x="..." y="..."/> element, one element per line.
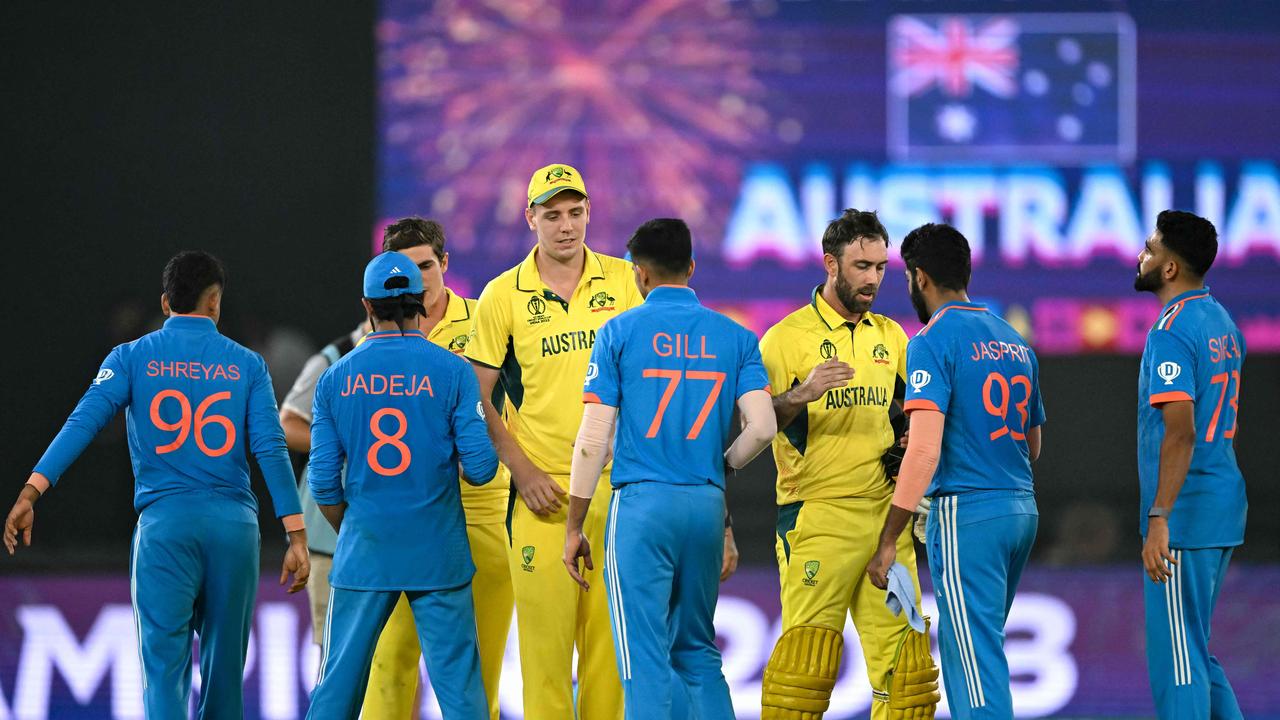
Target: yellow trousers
<point x="554" y="614"/>
<point x="393" y="679"/>
<point x="823" y="549"/>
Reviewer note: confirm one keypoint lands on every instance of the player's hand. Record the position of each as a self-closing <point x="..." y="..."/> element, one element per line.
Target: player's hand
<point x="576" y="546"/>
<point x="919" y="528"/>
<point x="298" y="562"/>
<point x="906" y="433"/>
<point x="730" y="564"/>
<point x="878" y="568"/>
<point x="19" y="523"/>
<point x="1155" y="551"/>
<point x="823" y="377"/>
<point x="539" y="491"/>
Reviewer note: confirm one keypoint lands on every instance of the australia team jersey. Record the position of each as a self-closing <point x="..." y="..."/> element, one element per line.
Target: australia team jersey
<point x="1195" y="352"/>
<point x="675" y="370"/>
<point x="194" y="402"/>
<point x="402" y="413"/>
<point x="541" y="344"/>
<point x="977" y="370"/>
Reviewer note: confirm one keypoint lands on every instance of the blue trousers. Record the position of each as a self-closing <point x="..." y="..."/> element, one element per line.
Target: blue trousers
<point x="194" y="569"/>
<point x="1186" y="681"/>
<point x="446" y="623"/>
<point x="664" y="546"/>
<point x="978" y="544"/>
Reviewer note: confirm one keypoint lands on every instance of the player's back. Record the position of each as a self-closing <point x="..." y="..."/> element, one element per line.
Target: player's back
<point x="675" y="370"/>
<point x="404" y="412"/>
<point x="195" y="398"/>
<point x="977" y="370"/>
<point x="1195" y="352"/>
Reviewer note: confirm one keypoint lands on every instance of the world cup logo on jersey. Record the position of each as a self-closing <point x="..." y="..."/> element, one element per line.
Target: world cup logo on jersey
<point x="1168" y="371"/>
<point x="827" y="349"/>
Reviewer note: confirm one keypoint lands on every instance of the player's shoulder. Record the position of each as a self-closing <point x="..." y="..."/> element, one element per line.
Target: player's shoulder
<point x="887" y="325"/>
<point x="500" y="286"/>
<point x="797" y="322"/>
<point x="611" y="266"/>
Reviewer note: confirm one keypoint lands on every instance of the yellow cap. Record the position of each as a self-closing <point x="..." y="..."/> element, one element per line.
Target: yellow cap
<point x="549" y="180"/>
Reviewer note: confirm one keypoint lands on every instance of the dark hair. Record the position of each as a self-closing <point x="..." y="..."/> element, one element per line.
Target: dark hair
<point x="852" y="224"/>
<point x="1191" y="237"/>
<point x="941" y="251"/>
<point x="664" y="245"/>
<point x="398" y="308"/>
<point x="187" y="275"/>
<point x="412" y="232"/>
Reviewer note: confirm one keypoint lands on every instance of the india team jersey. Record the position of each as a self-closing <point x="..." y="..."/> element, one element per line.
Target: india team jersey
<point x="402" y="413"/>
<point x="832" y="449"/>
<point x="1195" y="352"/>
<point x="486" y="503"/>
<point x="977" y="370"/>
<point x="675" y="370"/>
<point x="541" y="343"/>
<point x="194" y="402"/>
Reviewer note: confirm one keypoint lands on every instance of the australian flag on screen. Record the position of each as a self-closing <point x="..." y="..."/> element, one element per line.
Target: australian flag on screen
<point x="1055" y="87"/>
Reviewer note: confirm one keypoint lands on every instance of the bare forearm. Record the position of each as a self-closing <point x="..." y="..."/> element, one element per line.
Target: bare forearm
<point x="894" y="523"/>
<point x="786" y="407"/>
<point x="297" y="431"/>
<point x="1175" y="460"/>
<point x="578" y="507"/>
<point x="334" y="513"/>
<point x="504" y="442"/>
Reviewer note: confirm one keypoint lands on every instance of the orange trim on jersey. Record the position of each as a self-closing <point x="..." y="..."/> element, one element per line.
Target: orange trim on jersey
<point x="1177" y="308"/>
<point x="591" y="398"/>
<point x="392" y="334"/>
<point x="1171" y="396"/>
<point x="944" y="310"/>
<point x="920" y="404"/>
<point x="293" y="523"/>
<point x="768" y="389"/>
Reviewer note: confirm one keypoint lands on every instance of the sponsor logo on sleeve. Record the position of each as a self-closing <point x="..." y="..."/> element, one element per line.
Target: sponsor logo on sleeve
<point x="103" y="375"/>
<point x="919" y="379"/>
<point x="1168" y="371"/>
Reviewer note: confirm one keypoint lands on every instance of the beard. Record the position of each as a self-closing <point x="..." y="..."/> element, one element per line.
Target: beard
<point x="1150" y="282"/>
<point x="917" y="302"/>
<point x="849" y="297"/>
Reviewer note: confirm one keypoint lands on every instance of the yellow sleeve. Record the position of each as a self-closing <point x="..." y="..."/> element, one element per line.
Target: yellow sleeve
<point x="773" y="353"/>
<point x="900" y="339"/>
<point x="490" y="327"/>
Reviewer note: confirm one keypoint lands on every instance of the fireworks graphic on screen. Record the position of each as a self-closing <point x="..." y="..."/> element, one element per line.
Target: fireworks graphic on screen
<point x="655" y="101"/>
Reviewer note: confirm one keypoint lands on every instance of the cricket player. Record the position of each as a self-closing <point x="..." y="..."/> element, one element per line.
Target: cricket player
<point x="402" y="413"/>
<point x="837" y="370"/>
<point x="668" y="375"/>
<point x="973" y="376"/>
<point x="194" y="401"/>
<point x="393" y="680"/>
<point x="535" y="325"/>
<point x="1193" y="500"/>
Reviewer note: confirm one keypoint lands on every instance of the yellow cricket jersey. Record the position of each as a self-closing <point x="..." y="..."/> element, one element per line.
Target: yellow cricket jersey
<point x="485" y="503"/>
<point x="541" y="344"/>
<point x="833" y="448"/>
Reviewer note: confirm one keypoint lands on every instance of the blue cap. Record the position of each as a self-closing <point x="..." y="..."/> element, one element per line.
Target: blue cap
<point x="390" y="265"/>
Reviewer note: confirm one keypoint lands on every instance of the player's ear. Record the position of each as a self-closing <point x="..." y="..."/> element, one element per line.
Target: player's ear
<point x="444" y="263"/>
<point x="213" y="302"/>
<point x="831" y="263"/>
<point x="164" y="305"/>
<point x="689" y="275"/>
<point x="368" y="309"/>
<point x="528" y="217"/>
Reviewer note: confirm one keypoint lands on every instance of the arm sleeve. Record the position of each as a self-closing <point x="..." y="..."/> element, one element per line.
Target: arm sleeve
<point x="107" y="394"/>
<point x="591" y="448"/>
<point x="266" y="442"/>
<point x="774" y="360"/>
<point x="751" y="373"/>
<point x="324" y="471"/>
<point x="1172" y="368"/>
<point x="758" y="428"/>
<point x="490" y="328"/>
<point x="923" y="451"/>
<point x="928" y="378"/>
<point x="471" y="435"/>
<point x="603" y="376"/>
<point x="298" y="401"/>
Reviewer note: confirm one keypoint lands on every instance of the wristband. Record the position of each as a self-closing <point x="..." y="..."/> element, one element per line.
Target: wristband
<point x="1159" y="512"/>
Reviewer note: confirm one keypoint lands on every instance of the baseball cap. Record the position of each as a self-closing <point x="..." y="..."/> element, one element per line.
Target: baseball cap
<point x="549" y="180"/>
<point x="386" y="267"/>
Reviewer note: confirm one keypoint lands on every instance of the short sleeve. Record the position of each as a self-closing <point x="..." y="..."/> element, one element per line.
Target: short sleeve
<point x="751" y="373"/>
<point x="603" y="375"/>
<point x="491" y="327"/>
<point x="928" y="382"/>
<point x="1037" y="403"/>
<point x="1171" y="363"/>
<point x="774" y="357"/>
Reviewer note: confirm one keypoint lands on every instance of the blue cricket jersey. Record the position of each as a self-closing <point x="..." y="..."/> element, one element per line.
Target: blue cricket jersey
<point x="194" y="400"/>
<point x="675" y="370"/>
<point x="977" y="370"/>
<point x="1195" y="352"/>
<point x="401" y="412"/>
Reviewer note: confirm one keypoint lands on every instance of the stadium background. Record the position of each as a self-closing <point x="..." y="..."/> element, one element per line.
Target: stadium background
<point x="279" y="136"/>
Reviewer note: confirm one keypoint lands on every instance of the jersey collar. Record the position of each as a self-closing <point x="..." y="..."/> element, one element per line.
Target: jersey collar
<point x="529" y="280"/>
<point x="199" y="323"/>
<point x="384" y="334"/>
<point x="674" y="294"/>
<point x="829" y="315"/>
<point x="456" y="310"/>
<point x="1196" y="294"/>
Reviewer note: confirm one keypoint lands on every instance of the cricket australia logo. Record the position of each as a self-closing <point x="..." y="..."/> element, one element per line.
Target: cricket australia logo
<point x="1168" y="371"/>
<point x="601" y="301"/>
<point x="526" y="554"/>
<point x="827" y="350"/>
<point x="537" y="308"/>
<point x="919" y="379"/>
<point x="103" y="375"/>
<point x="458" y="344"/>
<point x="810" y="572"/>
<point x="880" y="354"/>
